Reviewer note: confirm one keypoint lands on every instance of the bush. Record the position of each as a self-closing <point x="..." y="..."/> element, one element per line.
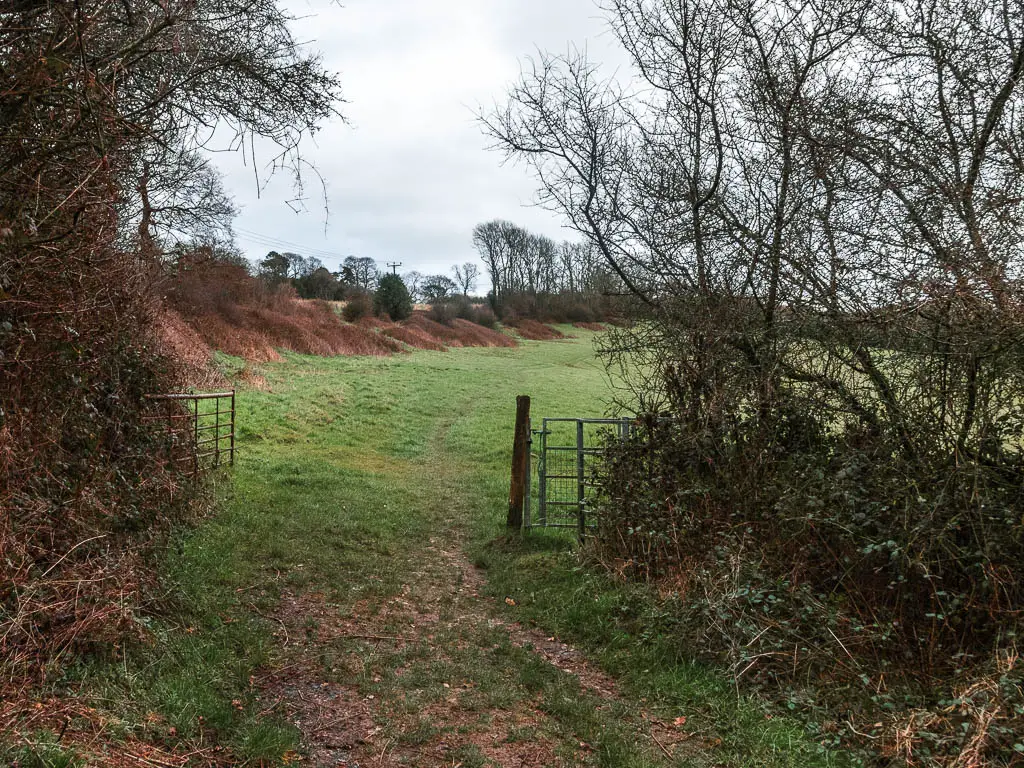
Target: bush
<point x="85" y="486"/>
<point x="518" y="305"/>
<point x="829" y="544"/>
<point x="553" y="307"/>
<point x="462" y="307"/>
<point x="357" y="307"/>
<point x="579" y="313"/>
<point x="483" y="315"/>
<point x="447" y="310"/>
<point x="392" y="298"/>
<point x="443" y="312"/>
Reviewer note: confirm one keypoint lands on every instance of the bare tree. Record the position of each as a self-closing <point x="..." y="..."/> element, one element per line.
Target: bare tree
<point x="465" y="276"/>
<point x="178" y="197"/>
<point x="818" y="205"/>
<point x="363" y="271"/>
<point x="701" y="186"/>
<point x="497" y="243"/>
<point x="437" y="288"/>
<point x="414" y="283"/>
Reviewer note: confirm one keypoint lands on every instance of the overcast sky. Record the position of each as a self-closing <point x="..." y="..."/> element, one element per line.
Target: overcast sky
<point x="410" y="176"/>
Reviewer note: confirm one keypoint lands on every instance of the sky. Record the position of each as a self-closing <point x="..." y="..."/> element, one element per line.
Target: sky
<point x="410" y="175"/>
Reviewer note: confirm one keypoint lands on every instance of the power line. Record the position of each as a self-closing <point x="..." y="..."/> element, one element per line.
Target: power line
<point x="277" y="242"/>
<point x="295" y="247"/>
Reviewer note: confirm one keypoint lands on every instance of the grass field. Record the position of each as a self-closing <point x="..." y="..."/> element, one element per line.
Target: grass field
<point x="336" y="574"/>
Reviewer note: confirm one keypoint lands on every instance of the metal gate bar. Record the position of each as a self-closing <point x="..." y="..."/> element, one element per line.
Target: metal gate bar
<point x="565" y="476"/>
<point x="195" y="432"/>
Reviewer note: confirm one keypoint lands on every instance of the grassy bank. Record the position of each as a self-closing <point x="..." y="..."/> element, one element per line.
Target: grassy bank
<point x="359" y="482"/>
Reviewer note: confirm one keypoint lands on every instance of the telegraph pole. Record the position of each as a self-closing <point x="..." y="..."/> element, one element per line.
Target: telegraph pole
<point x="394" y="266"/>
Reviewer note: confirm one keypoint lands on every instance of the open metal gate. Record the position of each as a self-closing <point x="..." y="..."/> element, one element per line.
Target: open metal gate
<point x="198" y="429"/>
<point x="568" y="470"/>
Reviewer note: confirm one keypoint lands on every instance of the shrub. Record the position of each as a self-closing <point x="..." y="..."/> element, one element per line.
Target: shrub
<point x="358" y="306"/>
<point x="392" y="298"/>
<point x="462" y="307"/>
<point x="832" y="545"/>
<point x="579" y="313"/>
<point x="518" y="305"/>
<point x="443" y="312"/>
<point x="483" y="315"/>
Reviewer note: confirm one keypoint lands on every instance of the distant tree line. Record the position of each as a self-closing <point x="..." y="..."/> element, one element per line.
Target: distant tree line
<point x="531" y="275"/>
<point x="363" y="286"/>
<point x="534" y="275"/>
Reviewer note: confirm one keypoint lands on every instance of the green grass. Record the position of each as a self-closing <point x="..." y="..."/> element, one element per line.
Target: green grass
<point x="346" y="468"/>
<point x="45" y="752"/>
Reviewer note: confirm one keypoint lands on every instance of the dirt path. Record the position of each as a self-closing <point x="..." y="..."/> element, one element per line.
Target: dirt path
<point x="430" y="675"/>
<point x="421" y="653"/>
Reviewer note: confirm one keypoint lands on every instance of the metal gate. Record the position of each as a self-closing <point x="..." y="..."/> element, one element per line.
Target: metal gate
<point x="568" y="470"/>
<point x="199" y="429"/>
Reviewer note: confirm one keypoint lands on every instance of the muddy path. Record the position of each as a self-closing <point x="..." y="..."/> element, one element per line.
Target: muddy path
<point x="430" y="673"/>
<point x="433" y="677"/>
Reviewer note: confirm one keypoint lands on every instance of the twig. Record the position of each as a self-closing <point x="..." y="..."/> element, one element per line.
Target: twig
<point x="287" y="637"/>
<point x="331" y="723"/>
<point x="664" y="749"/>
<point x="65" y="555"/>
<point x="386" y="745"/>
<point x="841" y="645"/>
<point x="152" y="760"/>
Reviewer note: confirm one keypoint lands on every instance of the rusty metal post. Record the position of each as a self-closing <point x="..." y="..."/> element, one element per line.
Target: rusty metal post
<point x="520" y="460"/>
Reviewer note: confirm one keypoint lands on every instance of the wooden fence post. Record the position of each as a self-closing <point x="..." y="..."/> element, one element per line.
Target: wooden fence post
<point x="520" y="457"/>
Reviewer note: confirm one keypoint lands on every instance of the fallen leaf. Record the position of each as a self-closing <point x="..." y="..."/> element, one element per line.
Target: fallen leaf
<point x="679" y="721"/>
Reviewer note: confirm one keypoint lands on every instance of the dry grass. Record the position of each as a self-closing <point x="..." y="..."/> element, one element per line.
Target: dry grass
<point x="421" y="332"/>
<point x="308" y="327"/>
<point x="237" y="314"/>
<point x="191" y="351"/>
<point x="461" y="333"/>
<point x="447" y="335"/>
<point x="374" y="323"/>
<point x="415" y="337"/>
<point x="218" y="306"/>
<point x="90" y="604"/>
<point x="537" y="331"/>
<point x="253" y="379"/>
<point x="591" y="326"/>
<point x="85" y="733"/>
<point x="474" y="335"/>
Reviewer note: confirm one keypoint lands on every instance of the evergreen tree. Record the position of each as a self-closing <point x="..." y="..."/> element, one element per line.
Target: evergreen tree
<point x="392" y="297"/>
